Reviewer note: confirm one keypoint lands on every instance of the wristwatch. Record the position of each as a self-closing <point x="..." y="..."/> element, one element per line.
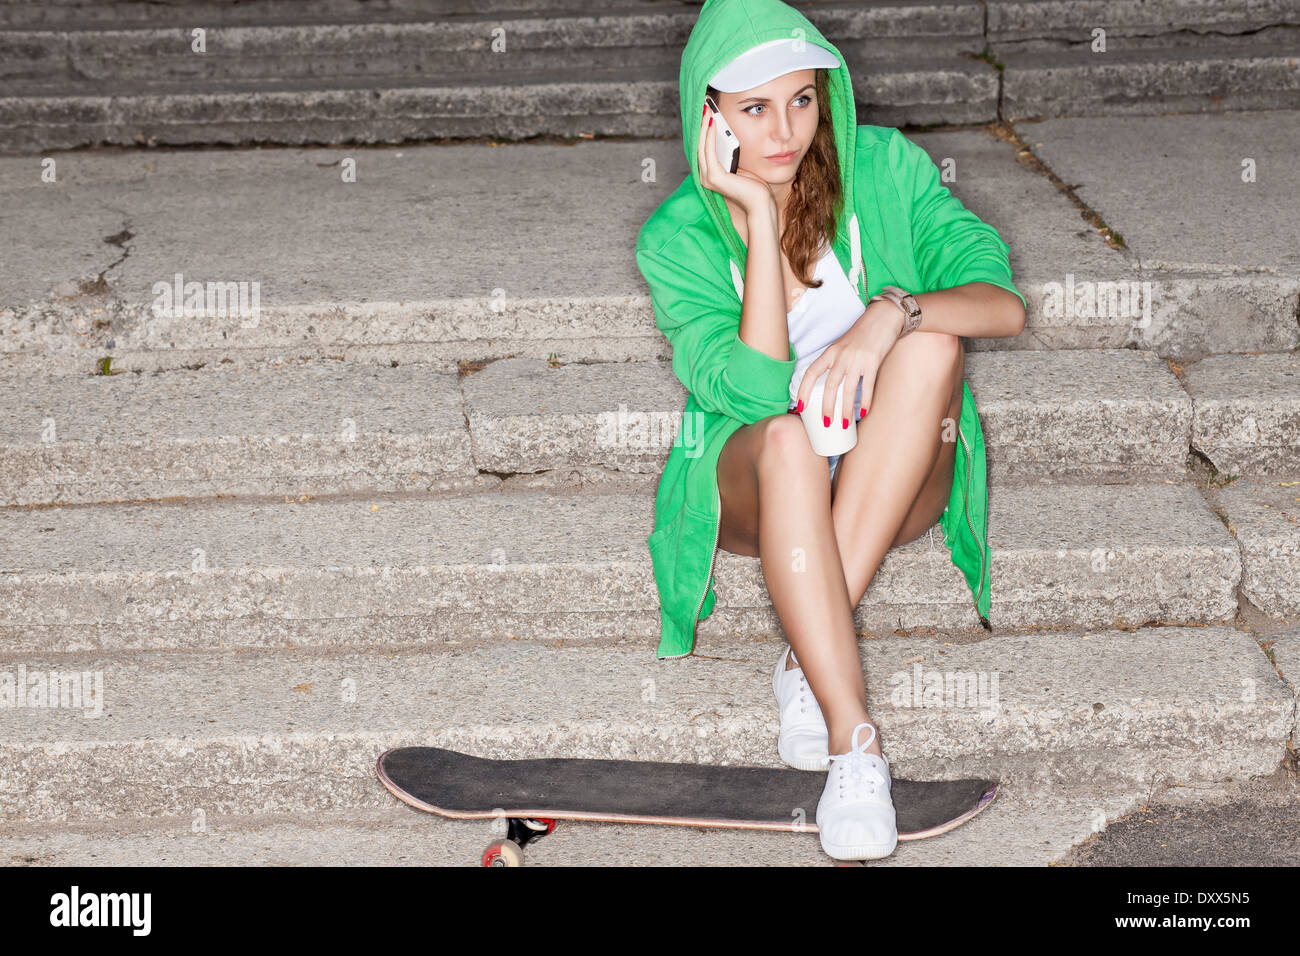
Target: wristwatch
<point x="905" y="301"/>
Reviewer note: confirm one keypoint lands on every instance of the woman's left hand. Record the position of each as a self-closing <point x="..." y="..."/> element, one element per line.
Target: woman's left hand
<point x="857" y="354"/>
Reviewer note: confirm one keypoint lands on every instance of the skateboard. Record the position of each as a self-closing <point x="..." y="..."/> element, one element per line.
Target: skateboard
<point x="531" y="795"/>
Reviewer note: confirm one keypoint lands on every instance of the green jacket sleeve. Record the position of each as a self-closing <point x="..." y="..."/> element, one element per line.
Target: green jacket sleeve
<point x="696" y="312"/>
<point x="952" y="245"/>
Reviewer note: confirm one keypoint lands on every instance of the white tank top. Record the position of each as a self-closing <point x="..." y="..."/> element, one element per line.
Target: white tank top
<point x="820" y="316"/>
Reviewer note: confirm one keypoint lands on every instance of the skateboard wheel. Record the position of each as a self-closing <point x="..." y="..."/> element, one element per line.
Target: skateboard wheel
<point x="503" y="853"/>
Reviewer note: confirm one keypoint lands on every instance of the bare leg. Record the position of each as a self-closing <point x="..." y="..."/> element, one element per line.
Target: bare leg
<point x="894" y="484"/>
<point x="800" y="557"/>
<point x="777" y="506"/>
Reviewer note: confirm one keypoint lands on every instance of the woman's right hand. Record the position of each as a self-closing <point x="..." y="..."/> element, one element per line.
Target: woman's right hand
<point x="742" y="187"/>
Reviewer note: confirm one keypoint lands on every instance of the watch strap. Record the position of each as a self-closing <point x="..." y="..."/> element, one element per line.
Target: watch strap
<point x="905" y="301"/>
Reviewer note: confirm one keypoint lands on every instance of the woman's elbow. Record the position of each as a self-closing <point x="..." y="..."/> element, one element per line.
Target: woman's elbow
<point x="1017" y="320"/>
<point x="1013" y="313"/>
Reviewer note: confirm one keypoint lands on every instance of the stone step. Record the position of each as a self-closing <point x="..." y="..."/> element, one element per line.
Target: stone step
<point x="1206" y="78"/>
<point x="1219" y="280"/>
<point x="509" y="104"/>
<point x="1006" y="18"/>
<point x="1054" y="21"/>
<point x="648" y="37"/>
<point x="37" y="14"/>
<point x="328" y="428"/>
<point x="294" y="429"/>
<point x="266" y="732"/>
<point x="1246" y="412"/>
<point x="1242" y="37"/>
<point x="483" y="568"/>
<point x="160" y="59"/>
<point x="1019" y="829"/>
<point x="1263" y="514"/>
<point x="565" y="74"/>
<point x="117" y="226"/>
<point x="381" y="42"/>
<point x="614" y="75"/>
<point x="1112" y="414"/>
<point x="1284" y="651"/>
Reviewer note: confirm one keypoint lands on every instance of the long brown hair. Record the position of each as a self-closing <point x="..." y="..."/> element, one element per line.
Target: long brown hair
<point x="815" y="193"/>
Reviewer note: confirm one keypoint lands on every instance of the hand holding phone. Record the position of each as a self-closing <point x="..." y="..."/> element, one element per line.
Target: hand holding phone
<point x="728" y="146"/>
<point x="718" y="164"/>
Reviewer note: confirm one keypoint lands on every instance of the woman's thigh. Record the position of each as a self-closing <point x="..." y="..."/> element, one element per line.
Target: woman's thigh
<point x="738" y="479"/>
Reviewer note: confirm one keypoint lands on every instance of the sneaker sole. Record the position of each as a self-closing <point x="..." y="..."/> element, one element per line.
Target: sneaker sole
<point x="803" y="763"/>
<point x="863" y="851"/>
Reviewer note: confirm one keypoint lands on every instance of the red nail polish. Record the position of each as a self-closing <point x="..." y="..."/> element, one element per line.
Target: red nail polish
<point x="710" y="120"/>
<point x="800" y="408"/>
<point x="826" y="420"/>
<point x="861" y="412"/>
<point x="846" y="423"/>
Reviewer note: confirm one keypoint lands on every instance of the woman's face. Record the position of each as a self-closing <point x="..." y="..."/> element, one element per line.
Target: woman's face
<point x="779" y="117"/>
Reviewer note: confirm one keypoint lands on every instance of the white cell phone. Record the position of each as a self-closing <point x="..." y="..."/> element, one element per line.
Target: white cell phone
<point x="728" y="146"/>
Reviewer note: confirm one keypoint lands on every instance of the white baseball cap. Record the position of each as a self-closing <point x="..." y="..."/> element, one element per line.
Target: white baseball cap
<point x="769" y="60"/>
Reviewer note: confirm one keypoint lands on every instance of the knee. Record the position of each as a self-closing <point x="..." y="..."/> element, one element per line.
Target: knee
<point x="785" y="441"/>
<point x="933" y="356"/>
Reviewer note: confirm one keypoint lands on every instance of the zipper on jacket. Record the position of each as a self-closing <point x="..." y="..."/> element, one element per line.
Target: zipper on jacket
<point x="712" y="555"/>
<point x="966" y="514"/>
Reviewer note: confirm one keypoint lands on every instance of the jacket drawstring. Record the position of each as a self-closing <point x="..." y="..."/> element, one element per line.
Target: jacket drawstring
<point x="855" y="256"/>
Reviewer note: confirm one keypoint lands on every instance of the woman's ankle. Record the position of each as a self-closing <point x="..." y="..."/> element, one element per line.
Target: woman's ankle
<point x="840" y="738"/>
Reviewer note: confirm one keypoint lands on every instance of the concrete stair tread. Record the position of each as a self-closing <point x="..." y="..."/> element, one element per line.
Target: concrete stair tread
<point x="1118" y="56"/>
<point x="633" y="66"/>
<point x="329" y="427"/>
<point x="45" y="14"/>
<point x="1263" y="516"/>
<point x="1041" y="17"/>
<point x="263" y="731"/>
<point x="462" y="86"/>
<point x="1203" y="78"/>
<point x="1246" y="412"/>
<point x="242" y="17"/>
<point x="273" y="223"/>
<point x="1265" y="378"/>
<point x="422" y="570"/>
<point x="551" y="527"/>
<point x="654" y="66"/>
<point x="900" y="14"/>
<point x="1018" y="830"/>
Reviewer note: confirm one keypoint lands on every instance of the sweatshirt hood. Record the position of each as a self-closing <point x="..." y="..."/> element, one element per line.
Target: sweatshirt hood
<point x="726" y="29"/>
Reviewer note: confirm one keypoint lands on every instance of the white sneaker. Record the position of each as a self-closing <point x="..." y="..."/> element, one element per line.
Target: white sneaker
<point x="802" y="742"/>
<point x="855" y="816"/>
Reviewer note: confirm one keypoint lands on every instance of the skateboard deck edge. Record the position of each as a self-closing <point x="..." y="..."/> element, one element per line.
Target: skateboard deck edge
<point x="727" y="824"/>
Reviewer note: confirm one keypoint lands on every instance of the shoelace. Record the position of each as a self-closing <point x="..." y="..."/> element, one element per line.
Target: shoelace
<point x="854" y="771"/>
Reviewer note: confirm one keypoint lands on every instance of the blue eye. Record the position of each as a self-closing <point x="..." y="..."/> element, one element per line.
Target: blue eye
<point x="760" y="105"/>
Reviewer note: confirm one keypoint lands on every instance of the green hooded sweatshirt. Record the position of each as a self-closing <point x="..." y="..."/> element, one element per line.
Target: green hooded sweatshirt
<point x="899" y="225"/>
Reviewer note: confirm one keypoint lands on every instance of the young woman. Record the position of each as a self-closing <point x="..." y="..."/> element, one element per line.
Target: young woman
<point x="822" y="214"/>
